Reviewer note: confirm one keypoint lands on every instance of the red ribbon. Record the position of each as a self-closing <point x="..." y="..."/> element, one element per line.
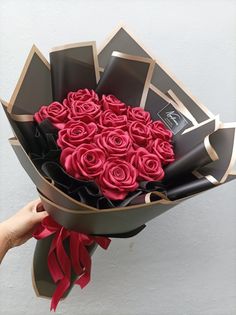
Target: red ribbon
<point x="60" y="263"/>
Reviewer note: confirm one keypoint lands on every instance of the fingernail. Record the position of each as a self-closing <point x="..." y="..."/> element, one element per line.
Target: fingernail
<point x="39" y="208"/>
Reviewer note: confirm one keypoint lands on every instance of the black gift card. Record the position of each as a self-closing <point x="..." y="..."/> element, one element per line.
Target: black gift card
<point x="172" y="118"/>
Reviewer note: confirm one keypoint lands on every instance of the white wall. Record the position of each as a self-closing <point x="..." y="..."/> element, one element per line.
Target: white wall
<point x="184" y="262"/>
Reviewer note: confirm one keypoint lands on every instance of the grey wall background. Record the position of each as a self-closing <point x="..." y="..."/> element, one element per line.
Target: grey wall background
<point x="184" y="262"/>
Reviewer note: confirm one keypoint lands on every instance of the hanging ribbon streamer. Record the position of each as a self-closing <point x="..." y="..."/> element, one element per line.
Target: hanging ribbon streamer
<point x="60" y="264"/>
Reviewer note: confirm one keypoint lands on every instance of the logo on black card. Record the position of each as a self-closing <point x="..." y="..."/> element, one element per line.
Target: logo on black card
<point x="172" y="118"/>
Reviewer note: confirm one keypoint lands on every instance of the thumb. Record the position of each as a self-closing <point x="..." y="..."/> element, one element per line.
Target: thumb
<point x="39" y="216"/>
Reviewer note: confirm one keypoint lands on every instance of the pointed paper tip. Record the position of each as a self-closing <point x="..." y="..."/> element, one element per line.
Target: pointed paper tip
<point x="4" y="103"/>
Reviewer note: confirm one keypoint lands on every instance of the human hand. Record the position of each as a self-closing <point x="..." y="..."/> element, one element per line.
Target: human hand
<point x="18" y="228"/>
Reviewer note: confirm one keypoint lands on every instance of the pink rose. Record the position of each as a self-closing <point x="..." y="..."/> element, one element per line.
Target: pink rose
<point x="114" y="104"/>
<point x="55" y="112"/>
<point x="110" y="119"/>
<point x="84" y="162"/>
<point x="117" y="179"/>
<point x="158" y="130"/>
<point x="139" y="114"/>
<point x="82" y="95"/>
<point x="87" y="111"/>
<point x="164" y="150"/>
<point x="115" y="142"/>
<point x="140" y="134"/>
<point x="147" y="164"/>
<point x="76" y="133"/>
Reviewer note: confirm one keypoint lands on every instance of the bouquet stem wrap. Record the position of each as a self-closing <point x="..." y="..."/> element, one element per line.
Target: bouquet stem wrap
<point x="60" y="264"/>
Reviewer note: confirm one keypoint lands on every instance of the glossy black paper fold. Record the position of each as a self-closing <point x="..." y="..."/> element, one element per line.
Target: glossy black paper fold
<point x="189" y="162"/>
<point x="186" y="141"/>
<point x="122" y="41"/>
<point x="223" y="140"/>
<point x="107" y="221"/>
<point x="189" y="187"/>
<point x="34" y="87"/>
<point x="127" y="78"/>
<point x="73" y="67"/>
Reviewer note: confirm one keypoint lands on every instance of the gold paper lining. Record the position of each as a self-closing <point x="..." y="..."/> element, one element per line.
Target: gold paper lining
<point x="34" y="50"/>
<point x="210" y="178"/>
<point x="210" y="150"/>
<point x="183" y="109"/>
<point x="217" y="124"/>
<point x="166" y="98"/>
<point x="22" y="118"/>
<point x="180" y="84"/>
<point x="233" y="155"/>
<point x="164" y="200"/>
<point x="151" y="63"/>
<point x="53" y="204"/>
<point x="231" y="163"/>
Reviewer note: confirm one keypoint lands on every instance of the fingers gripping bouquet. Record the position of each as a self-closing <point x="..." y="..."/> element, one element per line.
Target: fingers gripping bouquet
<point x="111" y="141"/>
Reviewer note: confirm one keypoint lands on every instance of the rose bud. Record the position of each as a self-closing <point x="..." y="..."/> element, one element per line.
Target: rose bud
<point x="56" y="112"/>
<point x="88" y="111"/>
<point x="117" y="179"/>
<point x="115" y="142"/>
<point x="158" y="130"/>
<point x="138" y="114"/>
<point x="84" y="162"/>
<point x="82" y="95"/>
<point x="114" y="104"/>
<point x="147" y="164"/>
<point x="76" y="133"/>
<point x="140" y="134"/>
<point x="164" y="150"/>
<point x="110" y="119"/>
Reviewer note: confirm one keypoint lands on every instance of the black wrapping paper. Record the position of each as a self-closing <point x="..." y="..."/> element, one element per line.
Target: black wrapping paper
<point x="204" y="148"/>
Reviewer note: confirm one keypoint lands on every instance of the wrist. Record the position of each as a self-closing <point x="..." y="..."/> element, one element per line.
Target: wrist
<point x="5" y="239"/>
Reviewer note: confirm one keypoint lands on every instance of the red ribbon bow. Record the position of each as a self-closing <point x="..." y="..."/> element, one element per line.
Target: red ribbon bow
<point x="60" y="263"/>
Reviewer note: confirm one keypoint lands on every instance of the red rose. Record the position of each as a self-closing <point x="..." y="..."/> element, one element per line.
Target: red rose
<point x="84" y="162"/>
<point x="117" y="179"/>
<point x="55" y="112"/>
<point x="158" y="130"/>
<point x="76" y="133"/>
<point x="147" y="164"/>
<point x="115" y="142"/>
<point x="164" y="150"/>
<point x="87" y="111"/>
<point x="140" y="134"/>
<point x="82" y="95"/>
<point x="138" y="114"/>
<point x="114" y="104"/>
<point x="110" y="119"/>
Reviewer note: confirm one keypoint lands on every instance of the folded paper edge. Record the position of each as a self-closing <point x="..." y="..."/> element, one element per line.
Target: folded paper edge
<point x="232" y="161"/>
<point x="34" y="50"/>
<point x="164" y="68"/>
<point x="182" y="108"/>
<point x="215" y="118"/>
<point x="15" y="142"/>
<point x="159" y="202"/>
<point x="83" y="44"/>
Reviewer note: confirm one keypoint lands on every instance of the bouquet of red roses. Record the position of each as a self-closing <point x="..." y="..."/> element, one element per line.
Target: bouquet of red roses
<point x="110" y="140"/>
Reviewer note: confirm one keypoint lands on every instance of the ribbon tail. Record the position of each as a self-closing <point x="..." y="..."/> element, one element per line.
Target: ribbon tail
<point x="53" y="264"/>
<point x="65" y="264"/>
<point x="74" y="252"/>
<point x="86" y="262"/>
